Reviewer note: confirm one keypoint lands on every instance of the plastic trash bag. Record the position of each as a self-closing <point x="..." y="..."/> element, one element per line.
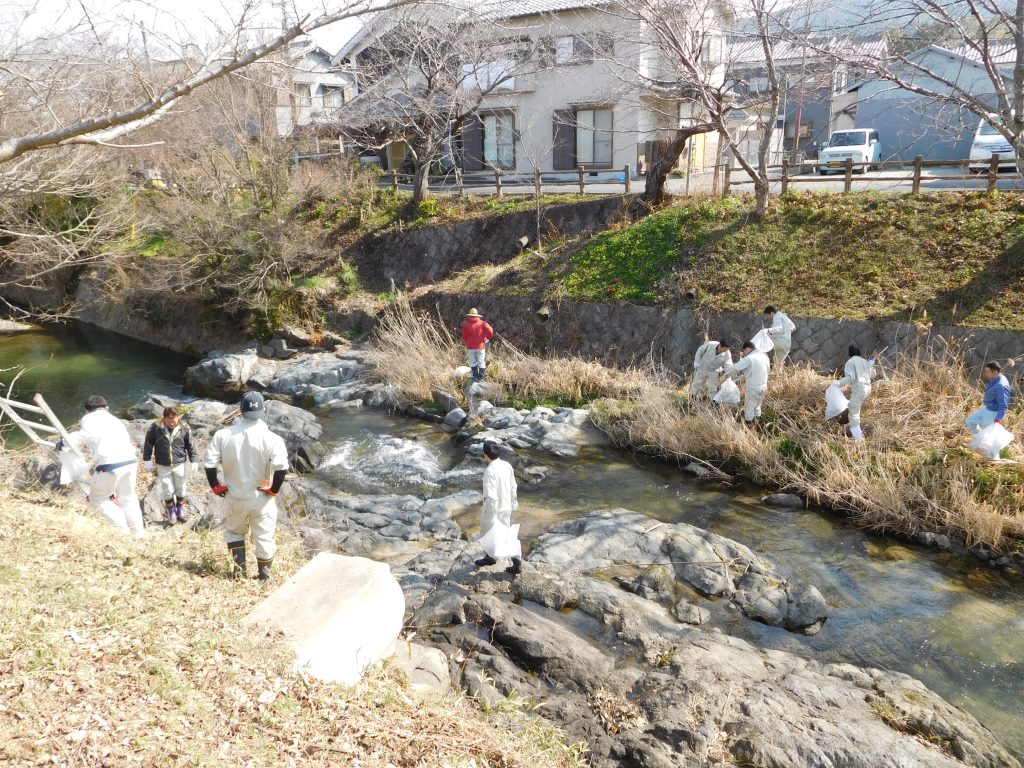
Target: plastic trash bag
<point x="835" y="402"/>
<point x="762" y="341"/>
<point x="502" y="541"/>
<point x="991" y="440"/>
<point x="728" y="393"/>
<point x="462" y="370"/>
<point x="72" y="467"/>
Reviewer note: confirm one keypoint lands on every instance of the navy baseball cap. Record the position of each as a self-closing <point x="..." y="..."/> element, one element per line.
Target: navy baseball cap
<point x="252" y="405"/>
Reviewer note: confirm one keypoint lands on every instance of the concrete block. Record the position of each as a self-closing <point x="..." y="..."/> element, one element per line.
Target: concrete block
<point x="340" y="615"/>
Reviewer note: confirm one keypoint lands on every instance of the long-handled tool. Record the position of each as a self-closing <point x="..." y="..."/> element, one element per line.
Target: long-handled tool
<point x="32" y="428"/>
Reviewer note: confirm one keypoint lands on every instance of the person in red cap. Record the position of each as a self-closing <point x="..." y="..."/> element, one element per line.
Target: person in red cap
<point x="477" y="333"/>
<point x="255" y="461"/>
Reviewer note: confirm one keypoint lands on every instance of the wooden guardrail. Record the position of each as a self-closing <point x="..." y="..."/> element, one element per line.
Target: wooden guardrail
<point x="915" y="173"/>
<point x="502" y="180"/>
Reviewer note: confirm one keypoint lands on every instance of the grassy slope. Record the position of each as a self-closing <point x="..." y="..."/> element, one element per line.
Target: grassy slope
<point x="958" y="257"/>
<point x="117" y="652"/>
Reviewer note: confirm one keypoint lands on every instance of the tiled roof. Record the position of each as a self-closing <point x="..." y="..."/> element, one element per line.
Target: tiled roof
<point x="999" y="52"/>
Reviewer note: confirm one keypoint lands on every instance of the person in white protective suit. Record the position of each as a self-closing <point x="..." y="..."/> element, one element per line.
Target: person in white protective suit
<point x="112" y="484"/>
<point x="708" y="363"/>
<point x="781" y="331"/>
<point x="500" y="500"/>
<point x="858" y="374"/>
<point x="255" y="462"/>
<point x="754" y="366"/>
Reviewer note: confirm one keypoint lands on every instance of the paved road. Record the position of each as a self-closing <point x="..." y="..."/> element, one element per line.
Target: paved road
<point x="879" y="181"/>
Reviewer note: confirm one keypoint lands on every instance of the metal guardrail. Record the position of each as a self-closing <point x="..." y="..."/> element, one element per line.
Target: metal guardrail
<point x="989" y="172"/>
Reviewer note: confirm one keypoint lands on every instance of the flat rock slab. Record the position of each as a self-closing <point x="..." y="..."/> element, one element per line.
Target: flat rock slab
<point x="12" y="326"/>
<point x="340" y="615"/>
<point x="712" y="565"/>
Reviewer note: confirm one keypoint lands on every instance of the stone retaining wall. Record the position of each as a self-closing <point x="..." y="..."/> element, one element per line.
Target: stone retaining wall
<point x="428" y="254"/>
<point x="627" y="334"/>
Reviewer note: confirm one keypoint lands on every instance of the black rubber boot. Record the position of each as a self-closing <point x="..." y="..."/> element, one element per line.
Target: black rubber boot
<point x="516" y="568"/>
<point x="485" y="560"/>
<point x="237" y="550"/>
<point x="263" y="569"/>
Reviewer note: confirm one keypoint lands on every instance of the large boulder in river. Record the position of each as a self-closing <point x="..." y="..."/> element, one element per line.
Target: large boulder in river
<point x="312" y="375"/>
<point x="222" y="372"/>
<point x="712" y="565"/>
<point x="301" y="432"/>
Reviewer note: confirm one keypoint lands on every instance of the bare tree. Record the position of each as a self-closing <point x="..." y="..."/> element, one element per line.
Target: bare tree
<point x="690" y="73"/>
<point x="986" y="36"/>
<point x="423" y="75"/>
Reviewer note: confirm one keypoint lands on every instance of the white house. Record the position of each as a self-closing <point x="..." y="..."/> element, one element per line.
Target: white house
<point x="310" y="88"/>
<point x="578" y="105"/>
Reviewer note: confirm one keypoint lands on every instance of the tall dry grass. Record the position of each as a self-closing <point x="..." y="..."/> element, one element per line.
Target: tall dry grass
<point x="913" y="472"/>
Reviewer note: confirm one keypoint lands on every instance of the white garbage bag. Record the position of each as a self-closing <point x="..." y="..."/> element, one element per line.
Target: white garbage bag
<point x="762" y="341"/>
<point x="728" y="393"/>
<point x="462" y="370"/>
<point x="991" y="440"/>
<point x="835" y="402"/>
<point x="502" y="541"/>
<point x="72" y="467"/>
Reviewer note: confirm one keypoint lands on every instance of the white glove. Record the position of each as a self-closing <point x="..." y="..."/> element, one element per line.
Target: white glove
<point x="149" y="465"/>
<point x="195" y="466"/>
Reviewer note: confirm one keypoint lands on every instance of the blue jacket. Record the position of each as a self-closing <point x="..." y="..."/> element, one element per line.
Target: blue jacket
<point x="997" y="396"/>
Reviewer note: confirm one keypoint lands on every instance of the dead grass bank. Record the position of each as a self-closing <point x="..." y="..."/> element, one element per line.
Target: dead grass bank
<point x="914" y="472"/>
<point x="117" y="652"/>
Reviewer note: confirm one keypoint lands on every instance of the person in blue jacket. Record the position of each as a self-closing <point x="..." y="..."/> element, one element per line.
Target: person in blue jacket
<point x="997" y="400"/>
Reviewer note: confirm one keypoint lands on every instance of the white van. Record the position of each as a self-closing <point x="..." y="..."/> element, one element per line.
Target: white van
<point x="860" y="144"/>
<point x="987" y="142"/>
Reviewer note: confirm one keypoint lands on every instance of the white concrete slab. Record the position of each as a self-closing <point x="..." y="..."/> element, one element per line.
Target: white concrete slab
<point x="340" y="614"/>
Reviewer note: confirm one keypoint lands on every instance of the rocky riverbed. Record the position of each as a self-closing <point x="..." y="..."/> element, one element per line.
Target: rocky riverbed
<point x="609" y="625"/>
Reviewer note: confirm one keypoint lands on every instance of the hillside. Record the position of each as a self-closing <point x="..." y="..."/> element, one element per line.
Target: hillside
<point x="949" y="258"/>
<point x="117" y="652"/>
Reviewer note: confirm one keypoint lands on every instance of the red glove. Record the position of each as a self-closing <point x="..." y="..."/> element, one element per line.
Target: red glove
<point x="220" y="490"/>
<point x="266" y="488"/>
<point x="999" y="421"/>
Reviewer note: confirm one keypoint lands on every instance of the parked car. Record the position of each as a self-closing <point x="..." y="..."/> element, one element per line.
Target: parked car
<point x="989" y="141"/>
<point x="860" y="144"/>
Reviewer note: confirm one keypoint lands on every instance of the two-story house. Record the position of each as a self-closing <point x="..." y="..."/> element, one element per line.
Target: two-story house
<point x="580" y="100"/>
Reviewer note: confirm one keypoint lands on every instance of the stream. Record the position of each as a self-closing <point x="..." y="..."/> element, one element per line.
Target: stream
<point x="954" y="623"/>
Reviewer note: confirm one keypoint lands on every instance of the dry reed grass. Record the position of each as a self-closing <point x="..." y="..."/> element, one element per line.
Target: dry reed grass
<point x="122" y="652"/>
<point x="913" y="473"/>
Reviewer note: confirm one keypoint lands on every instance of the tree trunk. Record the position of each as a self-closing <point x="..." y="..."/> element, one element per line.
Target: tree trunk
<point x="420" y="182"/>
<point x="761" y="190"/>
<point x="665" y="155"/>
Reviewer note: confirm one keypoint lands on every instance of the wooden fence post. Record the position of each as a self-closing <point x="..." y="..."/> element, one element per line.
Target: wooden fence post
<point x="848" y="181"/>
<point x="626" y="178"/>
<point x="918" y="166"/>
<point x="536" y="181"/>
<point x="993" y="173"/>
<point x="785" y="175"/>
<point x="394" y="179"/>
<point x="583" y="183"/>
<point x="497" y="181"/>
<point x="727" y="180"/>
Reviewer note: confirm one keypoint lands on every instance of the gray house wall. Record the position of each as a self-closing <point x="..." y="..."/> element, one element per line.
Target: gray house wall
<point x="912" y="125"/>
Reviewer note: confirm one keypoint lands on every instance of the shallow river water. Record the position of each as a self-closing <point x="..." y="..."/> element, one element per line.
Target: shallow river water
<point x="955" y="624"/>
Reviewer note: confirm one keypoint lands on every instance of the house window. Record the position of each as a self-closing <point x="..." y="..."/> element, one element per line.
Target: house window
<point x="333" y="96"/>
<point x="500" y="140"/>
<point x="594" y="137"/>
<point x="564" y="49"/>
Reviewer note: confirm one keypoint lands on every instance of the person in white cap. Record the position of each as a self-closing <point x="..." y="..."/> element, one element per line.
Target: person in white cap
<point x="255" y="461"/>
<point x="708" y="363"/>
<point x="781" y="331"/>
<point x="477" y="333"/>
<point x="112" y="485"/>
<point x="756" y="366"/>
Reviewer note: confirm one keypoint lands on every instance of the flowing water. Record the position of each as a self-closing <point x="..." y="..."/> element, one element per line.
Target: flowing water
<point x="955" y="624"/>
